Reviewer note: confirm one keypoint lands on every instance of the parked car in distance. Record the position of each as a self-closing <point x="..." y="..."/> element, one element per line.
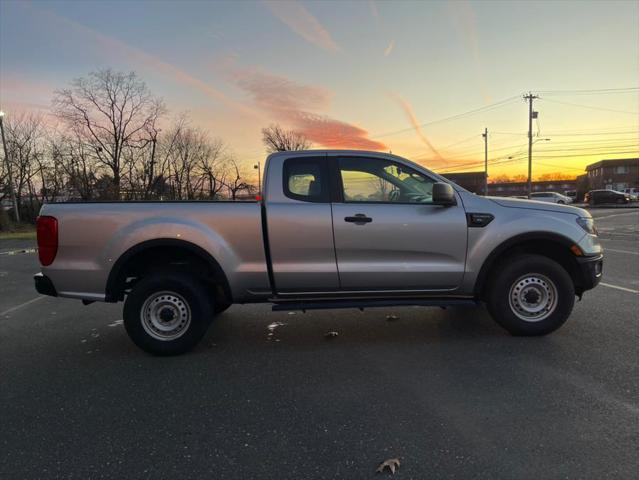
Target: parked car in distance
<point x="633" y="192"/>
<point x="551" y="197"/>
<point x="572" y="194"/>
<point x="334" y="229"/>
<point x="595" y="197"/>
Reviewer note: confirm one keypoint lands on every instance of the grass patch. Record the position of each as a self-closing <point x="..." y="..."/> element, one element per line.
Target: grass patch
<point x="19" y="232"/>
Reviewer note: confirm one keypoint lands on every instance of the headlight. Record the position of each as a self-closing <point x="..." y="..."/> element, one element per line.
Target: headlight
<point x="588" y="224"/>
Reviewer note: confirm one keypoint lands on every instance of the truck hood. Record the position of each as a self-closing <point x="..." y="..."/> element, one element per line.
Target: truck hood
<point x="534" y="205"/>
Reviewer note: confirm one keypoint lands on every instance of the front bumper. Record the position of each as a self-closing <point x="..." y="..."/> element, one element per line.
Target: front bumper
<point x="44" y="285"/>
<point x="589" y="271"/>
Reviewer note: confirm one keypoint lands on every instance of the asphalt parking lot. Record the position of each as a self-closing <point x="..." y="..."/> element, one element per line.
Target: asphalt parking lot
<point x="446" y="391"/>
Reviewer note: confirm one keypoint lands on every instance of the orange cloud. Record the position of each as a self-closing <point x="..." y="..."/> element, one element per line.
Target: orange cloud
<point x="273" y="92"/>
<point x="408" y="110"/>
<point x="302" y="22"/>
<point x="294" y="104"/>
<point x="335" y="134"/>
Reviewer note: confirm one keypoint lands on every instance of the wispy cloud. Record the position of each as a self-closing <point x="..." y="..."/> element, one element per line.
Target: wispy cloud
<point x="373" y="7"/>
<point x="390" y="48"/>
<point x="137" y="56"/>
<point x="463" y="16"/>
<point x="302" y="22"/>
<point x="297" y="105"/>
<point x="410" y="114"/>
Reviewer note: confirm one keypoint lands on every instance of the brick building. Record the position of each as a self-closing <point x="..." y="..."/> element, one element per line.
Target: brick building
<point x="614" y="174"/>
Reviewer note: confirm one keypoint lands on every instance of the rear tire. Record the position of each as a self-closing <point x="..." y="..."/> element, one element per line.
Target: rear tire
<point x="530" y="295"/>
<point x="168" y="313"/>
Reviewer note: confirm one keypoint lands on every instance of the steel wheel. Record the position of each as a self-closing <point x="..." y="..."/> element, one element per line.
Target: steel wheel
<point x="533" y="297"/>
<point x="165" y="316"/>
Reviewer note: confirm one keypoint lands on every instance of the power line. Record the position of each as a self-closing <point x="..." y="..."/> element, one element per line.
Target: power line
<point x="601" y="91"/>
<point x="452" y="117"/>
<point x="588" y="148"/>
<point x="560" y="166"/>
<point x="590" y="154"/>
<point x="636" y="132"/>
<point x="589" y="106"/>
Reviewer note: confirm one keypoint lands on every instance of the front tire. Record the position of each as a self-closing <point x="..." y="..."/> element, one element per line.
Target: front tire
<point x="168" y="313"/>
<point x="531" y="295"/>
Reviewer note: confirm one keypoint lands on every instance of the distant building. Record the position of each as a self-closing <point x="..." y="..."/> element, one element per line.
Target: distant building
<point x="471" y="181"/>
<point x="614" y="174"/>
<point x="474" y="182"/>
<point x="516" y="189"/>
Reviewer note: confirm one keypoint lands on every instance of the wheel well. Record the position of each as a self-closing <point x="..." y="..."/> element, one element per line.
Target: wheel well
<point x="157" y="256"/>
<point x="559" y="251"/>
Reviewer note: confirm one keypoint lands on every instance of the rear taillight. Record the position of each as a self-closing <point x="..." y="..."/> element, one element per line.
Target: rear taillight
<point x="47" y="228"/>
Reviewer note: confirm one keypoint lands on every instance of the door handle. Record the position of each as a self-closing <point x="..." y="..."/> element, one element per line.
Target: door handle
<point x="358" y="219"/>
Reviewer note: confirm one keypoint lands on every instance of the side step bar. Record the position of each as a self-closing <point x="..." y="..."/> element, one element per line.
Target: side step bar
<point x="361" y="304"/>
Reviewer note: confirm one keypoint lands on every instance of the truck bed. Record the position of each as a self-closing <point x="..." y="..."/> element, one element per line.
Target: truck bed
<point x="92" y="236"/>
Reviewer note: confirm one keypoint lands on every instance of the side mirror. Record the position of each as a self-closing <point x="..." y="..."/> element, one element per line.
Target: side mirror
<point x="443" y="194"/>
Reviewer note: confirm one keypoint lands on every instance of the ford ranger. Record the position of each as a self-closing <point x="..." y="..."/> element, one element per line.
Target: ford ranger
<point x="334" y="229"/>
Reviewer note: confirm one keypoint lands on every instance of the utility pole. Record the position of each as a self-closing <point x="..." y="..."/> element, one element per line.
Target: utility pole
<point x="485" y="135"/>
<point x="6" y="159"/>
<point x="531" y="114"/>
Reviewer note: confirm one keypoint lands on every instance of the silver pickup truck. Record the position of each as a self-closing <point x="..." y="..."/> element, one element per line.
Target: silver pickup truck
<point x="335" y="229"/>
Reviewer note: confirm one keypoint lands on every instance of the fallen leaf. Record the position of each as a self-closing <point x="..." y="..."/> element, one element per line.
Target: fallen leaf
<point x="392" y="464"/>
<point x="331" y="335"/>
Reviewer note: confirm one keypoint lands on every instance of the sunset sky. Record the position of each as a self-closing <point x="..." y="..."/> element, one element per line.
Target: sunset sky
<point x="369" y="75"/>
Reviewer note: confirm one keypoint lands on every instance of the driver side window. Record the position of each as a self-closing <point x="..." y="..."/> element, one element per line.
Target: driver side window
<point x="375" y="180"/>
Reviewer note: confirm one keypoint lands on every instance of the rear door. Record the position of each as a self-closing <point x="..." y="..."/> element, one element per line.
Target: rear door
<point x="389" y="235"/>
<point x="300" y="226"/>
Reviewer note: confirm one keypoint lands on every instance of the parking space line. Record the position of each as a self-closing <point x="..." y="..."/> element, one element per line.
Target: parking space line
<point x="619" y="288"/>
<point x="18" y="307"/>
<point x="620" y="251"/>
<point x="614" y="215"/>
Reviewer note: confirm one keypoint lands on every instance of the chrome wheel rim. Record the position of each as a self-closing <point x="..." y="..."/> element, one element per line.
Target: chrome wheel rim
<point x="165" y="316"/>
<point x="533" y="297"/>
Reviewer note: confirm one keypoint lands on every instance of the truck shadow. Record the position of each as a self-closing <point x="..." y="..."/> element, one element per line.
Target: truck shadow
<point x="256" y="327"/>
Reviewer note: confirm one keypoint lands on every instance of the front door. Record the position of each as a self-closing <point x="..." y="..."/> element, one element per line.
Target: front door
<point x="388" y="233"/>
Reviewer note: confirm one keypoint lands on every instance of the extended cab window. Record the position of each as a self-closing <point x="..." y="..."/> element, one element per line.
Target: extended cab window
<point x="382" y="181"/>
<point x="306" y="179"/>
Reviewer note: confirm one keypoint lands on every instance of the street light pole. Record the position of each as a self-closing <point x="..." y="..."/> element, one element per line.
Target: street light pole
<point x="259" y="177"/>
<point x="6" y="159"/>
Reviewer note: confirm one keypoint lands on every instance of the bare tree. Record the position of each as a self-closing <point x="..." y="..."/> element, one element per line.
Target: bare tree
<point x="110" y="111"/>
<point x="235" y="180"/>
<point x="74" y="158"/>
<point x="25" y="146"/>
<point x="277" y="139"/>
<point x="213" y="168"/>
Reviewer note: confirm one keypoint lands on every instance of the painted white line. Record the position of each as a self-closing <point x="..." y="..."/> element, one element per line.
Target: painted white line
<point x="615" y="234"/>
<point x="22" y="250"/>
<point x="619" y="288"/>
<point x="620" y="251"/>
<point x="18" y="307"/>
<point x="615" y="215"/>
